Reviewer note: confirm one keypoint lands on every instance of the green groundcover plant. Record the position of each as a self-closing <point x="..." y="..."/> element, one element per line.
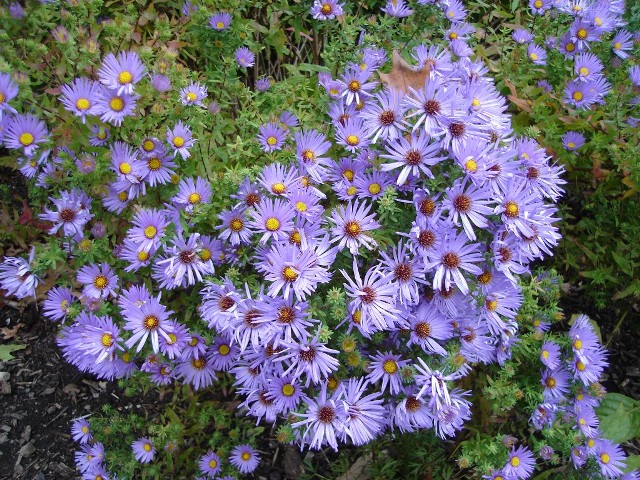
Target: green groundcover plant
<point x="307" y="222"/>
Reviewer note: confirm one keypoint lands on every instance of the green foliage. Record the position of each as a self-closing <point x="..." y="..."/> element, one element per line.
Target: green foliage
<point x="7" y="349"/>
<point x="619" y="417"/>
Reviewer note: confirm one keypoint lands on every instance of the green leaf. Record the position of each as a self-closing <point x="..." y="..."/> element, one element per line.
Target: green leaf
<point x="5" y="351"/>
<point x="619" y="417"/>
<point x="633" y="463"/>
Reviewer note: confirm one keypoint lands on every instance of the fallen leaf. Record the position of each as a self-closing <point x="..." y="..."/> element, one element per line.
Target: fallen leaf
<point x="6" y="350"/>
<point x="72" y="390"/>
<point x="402" y="75"/>
<point x="9" y="333"/>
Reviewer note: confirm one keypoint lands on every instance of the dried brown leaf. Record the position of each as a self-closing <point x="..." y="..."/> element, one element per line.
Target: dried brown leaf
<point x="403" y="75"/>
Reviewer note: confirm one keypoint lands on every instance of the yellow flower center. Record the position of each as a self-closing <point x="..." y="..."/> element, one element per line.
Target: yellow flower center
<point x="453" y="36"/>
<point x="123" y="196"/>
<point x="577" y="345"/>
<point x="471" y="165"/>
<point x="545" y="354"/>
<point x="106" y="340"/>
<point x="100" y="282"/>
<point x="492" y="305"/>
<point x="570" y="47"/>
<point x="577" y="96"/>
<point x="617" y="45"/>
<point x="301" y="206"/>
<point x="172" y="339"/>
<point x="236" y="225"/>
<point x="591" y="442"/>
<point x="205" y="254"/>
<point x="354" y="85"/>
<point x="351" y="190"/>
<point x="272" y="141"/>
<point x="533" y="56"/>
<point x="353" y="140"/>
<point x="475" y="102"/>
<point x="178" y="142"/>
<point x="26" y="139"/>
<point x="551" y="382"/>
<point x="150" y="232"/>
<point x="374" y="188"/>
<point x="390" y="367"/>
<point x="194" y="198"/>
<point x="154" y="163"/>
<point x="289" y="274"/>
<point x="116" y="104"/>
<point x="102" y="134"/>
<point x="191" y="96"/>
<point x="85" y="429"/>
<point x="597" y="21"/>
<point x="604" y="458"/>
<point x="278" y="188"/>
<point x="511" y="209"/>
<point x="582" y="34"/>
<point x="584" y="71"/>
<point x="125" y="168"/>
<point x="146" y="447"/>
<point x="224" y="349"/>
<point x="515" y="461"/>
<point x="288" y="390"/>
<point x="571" y="145"/>
<point x="220" y="25"/>
<point x="246" y="456"/>
<point x="82" y="104"/>
<point x="150" y="322"/>
<point x="272" y="224"/>
<point x="326" y="8"/>
<point x="2" y="97"/>
<point x="580" y="366"/>
<point x="143" y="256"/>
<point x="537" y="4"/>
<point x="348" y="174"/>
<point x="148" y="145"/>
<point x="125" y="78"/>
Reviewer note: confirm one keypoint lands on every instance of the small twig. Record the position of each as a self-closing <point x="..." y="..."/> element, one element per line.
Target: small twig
<point x="616" y="328"/>
<point x="56" y="417"/>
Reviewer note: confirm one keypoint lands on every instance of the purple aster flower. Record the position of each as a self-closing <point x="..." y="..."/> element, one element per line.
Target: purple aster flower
<point x="149" y="318"/>
<point x="219" y="304"/>
<point x="611" y="458"/>
<point x="311" y="358"/>
<point x="244" y="458"/>
<point x="143" y="450"/>
<point x="537" y="54"/>
<point x="587" y="421"/>
<point x="516" y="208"/>
<point x="113" y="107"/>
<point x="99" y="281"/>
<point x="357" y="85"/>
<point x="452" y="256"/>
<point x="278" y="179"/>
<point x="245" y="57"/>
<point x="286" y="393"/>
<point x="16" y="10"/>
<point x="25" y="132"/>
<point x="273" y="218"/>
<point x="538" y="7"/>
<point x="289" y="318"/>
<point x="293" y="271"/>
<point x="556" y="384"/>
<point x="137" y="258"/>
<point x="81" y="431"/>
<point x="326" y="9"/>
<point x="587" y="67"/>
<point x="634" y="75"/>
<point x="121" y="73"/>
<point x="351" y="226"/>
<point x="407" y="271"/>
<point x="460" y="30"/>
<point x="384" y="117"/>
<point x="414" y="156"/>
<point x="520" y="463"/>
<point x="366" y="415"/>
<point x="310" y="146"/>
<point x="100" y="135"/>
<point x="100" y="339"/>
<point x="71" y="214"/>
<point x="159" y="168"/>
<point x="386" y="367"/>
<point x="193" y="94"/>
<point x="193" y="192"/>
<point x="428" y="325"/>
<point x="125" y="164"/>
<point x="455" y="11"/>
<point x="185" y="266"/>
<point x="220" y="21"/>
<point x="189" y="8"/>
<point x="622" y="43"/>
<point x="89" y="457"/>
<point x="224" y="354"/>
<point x="58" y="302"/>
<point x="324" y="421"/>
<point x="582" y="33"/>
<point x="271" y="137"/>
<point x="352" y="135"/>
<point x="412" y="414"/>
<point x="235" y="229"/>
<point x="160" y="83"/>
<point x="460" y="48"/>
<point x="80" y="97"/>
<point x="306" y="203"/>
<point x="16" y="277"/>
<point x="210" y="464"/>
<point x="148" y="227"/>
<point x="180" y="139"/>
<point x="468" y="204"/>
<point x="198" y="371"/>
<point x="288" y="119"/>
<point x="263" y="84"/>
<point x="374" y="296"/>
<point x="372" y="185"/>
<point x="397" y="8"/>
<point x="572" y="141"/>
<point x="8" y="91"/>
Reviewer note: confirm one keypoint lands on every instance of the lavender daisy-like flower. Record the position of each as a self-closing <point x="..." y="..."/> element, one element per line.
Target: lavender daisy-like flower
<point x="193" y="94"/>
<point x="149" y="319"/>
<point x="263" y="84"/>
<point x="537" y="54"/>
<point x="271" y="137"/>
<point x="386" y="367"/>
<point x="180" y="139"/>
<point x="220" y="21"/>
<point x="310" y="146"/>
<point x="520" y="463"/>
<point x="469" y="205"/>
<point x="587" y="67"/>
<point x="522" y="36"/>
<point x="273" y="218"/>
<point x="16" y="277"/>
<point x="374" y="296"/>
<point x="622" y="43"/>
<point x="352" y="134"/>
<point x="397" y="8"/>
<point x="326" y="9"/>
<point x="455" y="11"/>
<point x="610" y="457"/>
<point x="193" y="192"/>
<point x="427" y="325"/>
<point x="357" y="85"/>
<point x="148" y="227"/>
<point x="286" y="393"/>
<point x="81" y="431"/>
<point x="25" y="132"/>
<point x="235" y="229"/>
<point x="197" y="370"/>
<point x="143" y="450"/>
<point x="99" y="281"/>
<point x="160" y="83"/>
<point x="245" y="458"/>
<point x="100" y="135"/>
<point x="185" y="265"/>
<point x="414" y="156"/>
<point x="351" y="226"/>
<point x="556" y="384"/>
<point x="311" y="358"/>
<point x="366" y="415"/>
<point x="452" y="256"/>
<point x="113" y="107"/>
<point x="245" y="57"/>
<point x="324" y="421"/>
<point x="210" y="464"/>
<point x="80" y="97"/>
<point x="121" y="73"/>
<point x="572" y="141"/>
<point x="8" y="91"/>
<point x="58" y="302"/>
<point x="384" y="117"/>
